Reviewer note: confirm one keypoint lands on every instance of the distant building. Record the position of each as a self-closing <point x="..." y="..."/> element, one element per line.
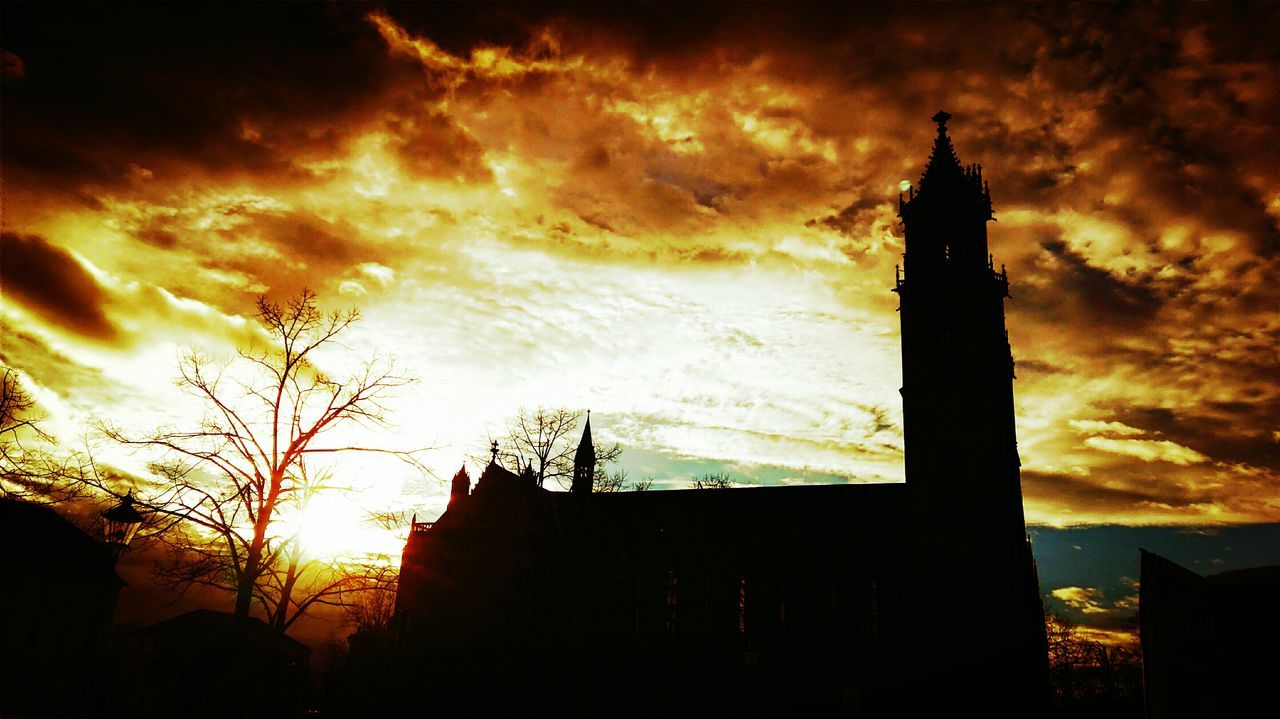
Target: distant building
<point x="870" y="599"/>
<point x="209" y="664"/>
<point x="1210" y="644"/>
<point x="58" y="592"/>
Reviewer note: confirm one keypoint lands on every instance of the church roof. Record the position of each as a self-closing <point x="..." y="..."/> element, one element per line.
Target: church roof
<point x="865" y="519"/>
<point x="48" y="540"/>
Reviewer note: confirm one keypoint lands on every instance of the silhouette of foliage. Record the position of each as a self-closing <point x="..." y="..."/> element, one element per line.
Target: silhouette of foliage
<point x="616" y="481"/>
<point x="714" y="480"/>
<point x="31" y="469"/>
<point x="1090" y="678"/>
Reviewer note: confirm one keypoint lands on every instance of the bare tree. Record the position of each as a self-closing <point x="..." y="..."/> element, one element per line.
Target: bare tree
<point x="616" y="481"/>
<point x="226" y="482"/>
<point x="373" y="606"/>
<point x="30" y="468"/>
<point x="1086" y="672"/>
<point x="715" y="480"/>
<point x="546" y="439"/>
<point x="543" y="438"/>
<point x="610" y="481"/>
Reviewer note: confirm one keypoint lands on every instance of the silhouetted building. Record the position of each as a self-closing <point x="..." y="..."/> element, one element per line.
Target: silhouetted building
<point x="1210" y="644"/>
<point x="58" y="591"/>
<point x="209" y="664"/>
<point x="862" y="598"/>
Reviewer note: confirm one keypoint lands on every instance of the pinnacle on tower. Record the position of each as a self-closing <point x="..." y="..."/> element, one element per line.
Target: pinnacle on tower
<point x="945" y="181"/>
<point x="943" y="161"/>
<point x="460" y="487"/>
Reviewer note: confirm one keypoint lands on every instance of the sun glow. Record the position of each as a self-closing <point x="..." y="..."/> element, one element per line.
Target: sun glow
<point x="334" y="526"/>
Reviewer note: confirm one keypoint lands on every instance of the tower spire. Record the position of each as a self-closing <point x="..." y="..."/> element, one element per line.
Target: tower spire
<point x="584" y="461"/>
<point x="943" y="161"/>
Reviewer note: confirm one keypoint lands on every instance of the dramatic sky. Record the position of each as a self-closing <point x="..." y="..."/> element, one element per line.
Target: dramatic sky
<point x="684" y="220"/>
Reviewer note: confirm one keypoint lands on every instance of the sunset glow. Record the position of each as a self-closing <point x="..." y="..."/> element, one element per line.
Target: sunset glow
<point x="694" y="236"/>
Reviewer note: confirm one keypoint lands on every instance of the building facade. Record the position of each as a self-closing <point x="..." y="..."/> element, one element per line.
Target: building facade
<point x="58" y="592"/>
<point x="1210" y="644"/>
<point x="857" y="599"/>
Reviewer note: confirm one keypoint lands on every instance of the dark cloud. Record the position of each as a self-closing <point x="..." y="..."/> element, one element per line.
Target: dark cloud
<point x="1234" y="432"/>
<point x="218" y="90"/>
<point x="430" y="144"/>
<point x="1038" y="367"/>
<point x="50" y="282"/>
<point x="1068" y="288"/>
<point x="1090" y="496"/>
<point x="846" y="221"/>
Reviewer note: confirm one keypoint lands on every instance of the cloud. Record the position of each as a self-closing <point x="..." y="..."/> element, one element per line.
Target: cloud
<point x="49" y="281"/>
<point x="1090" y="426"/>
<point x="1083" y="599"/>
<point x="1148" y="450"/>
<point x="684" y="217"/>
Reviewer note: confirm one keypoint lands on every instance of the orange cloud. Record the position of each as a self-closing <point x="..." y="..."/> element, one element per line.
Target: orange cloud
<point x="689" y="226"/>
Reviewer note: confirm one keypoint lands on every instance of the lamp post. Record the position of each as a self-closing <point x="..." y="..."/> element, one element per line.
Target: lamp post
<point x="119" y="525"/>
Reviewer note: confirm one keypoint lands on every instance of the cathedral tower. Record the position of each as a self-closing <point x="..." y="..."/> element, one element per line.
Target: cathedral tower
<point x="957" y="369"/>
<point x="962" y="465"/>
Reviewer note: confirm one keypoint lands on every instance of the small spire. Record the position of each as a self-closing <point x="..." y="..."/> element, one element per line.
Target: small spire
<point x="943" y="161"/>
<point x="585" y="445"/>
<point x="460" y="486"/>
<point x="586" y="429"/>
<point x="584" y="461"/>
<point x="493" y="452"/>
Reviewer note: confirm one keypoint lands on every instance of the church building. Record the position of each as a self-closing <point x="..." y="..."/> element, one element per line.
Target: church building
<point x="852" y="599"/>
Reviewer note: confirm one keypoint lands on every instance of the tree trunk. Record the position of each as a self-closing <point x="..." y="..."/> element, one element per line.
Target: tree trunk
<point x="286" y="593"/>
<point x="244" y="587"/>
<point x="253" y="558"/>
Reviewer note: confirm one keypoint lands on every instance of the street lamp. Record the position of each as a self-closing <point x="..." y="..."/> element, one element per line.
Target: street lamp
<point x="119" y="525"/>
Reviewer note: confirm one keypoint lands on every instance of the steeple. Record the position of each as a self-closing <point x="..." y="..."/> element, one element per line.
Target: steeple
<point x="945" y="218"/>
<point x="943" y="161"/>
<point x="460" y="487"/>
<point x="584" y="461"/>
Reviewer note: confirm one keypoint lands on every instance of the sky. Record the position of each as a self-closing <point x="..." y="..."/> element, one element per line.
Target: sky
<point x="681" y="218"/>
